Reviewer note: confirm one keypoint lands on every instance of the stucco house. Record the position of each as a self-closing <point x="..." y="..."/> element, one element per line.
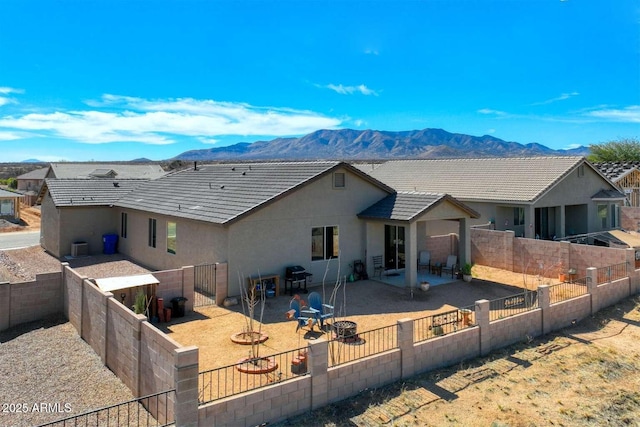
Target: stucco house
<point x="626" y="176"/>
<point x="94" y="170"/>
<point x="10" y="204"/>
<point x="258" y="218"/>
<point x="33" y="180"/>
<point x="543" y="197"/>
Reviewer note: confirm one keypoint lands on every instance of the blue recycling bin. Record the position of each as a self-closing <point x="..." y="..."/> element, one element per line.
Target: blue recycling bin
<point x="110" y="241"/>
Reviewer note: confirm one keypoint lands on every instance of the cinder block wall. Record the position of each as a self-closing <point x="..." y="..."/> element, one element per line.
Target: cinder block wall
<point x="516" y="328"/>
<point x="155" y="360"/>
<point x="94" y="318"/>
<point x="447" y="350"/>
<point x="564" y="313"/>
<point x="441" y="247"/>
<point x="611" y="293"/>
<point x="28" y="301"/>
<point x="176" y="283"/>
<point x="630" y="218"/>
<point x="547" y="258"/>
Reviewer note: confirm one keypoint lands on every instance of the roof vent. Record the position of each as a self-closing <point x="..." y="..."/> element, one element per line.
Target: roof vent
<point x="116" y="184"/>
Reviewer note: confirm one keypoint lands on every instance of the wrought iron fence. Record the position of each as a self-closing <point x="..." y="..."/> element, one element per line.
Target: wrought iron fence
<point x="154" y="410"/>
<point x="443" y="323"/>
<point x="512" y="305"/>
<point x="567" y="290"/>
<point x="250" y="374"/>
<point x="612" y="272"/>
<point x="362" y="344"/>
<point x="205" y="285"/>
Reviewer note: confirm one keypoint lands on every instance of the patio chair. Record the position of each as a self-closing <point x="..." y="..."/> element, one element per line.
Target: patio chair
<point x="325" y="311"/>
<point x="424" y="260"/>
<point x="451" y="265"/>
<point x="378" y="267"/>
<point x="304" y="316"/>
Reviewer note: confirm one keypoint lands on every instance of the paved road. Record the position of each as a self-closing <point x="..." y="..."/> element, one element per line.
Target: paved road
<point x="18" y="240"/>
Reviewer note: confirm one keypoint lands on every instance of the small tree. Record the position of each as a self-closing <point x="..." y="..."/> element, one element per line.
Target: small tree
<point x="621" y="150"/>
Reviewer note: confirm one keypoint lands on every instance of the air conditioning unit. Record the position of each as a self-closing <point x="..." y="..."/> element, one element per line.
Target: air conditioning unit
<point x="79" y="249"/>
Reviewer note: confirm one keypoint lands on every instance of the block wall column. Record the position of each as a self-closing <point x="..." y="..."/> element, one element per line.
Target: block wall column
<point x="631" y="271"/>
<point x="482" y="320"/>
<point x="544" y="302"/>
<point x="186" y="384"/>
<point x="136" y="332"/>
<point x="405" y="342"/>
<point x="592" y="288"/>
<point x="188" y="286"/>
<point x="318" y="366"/>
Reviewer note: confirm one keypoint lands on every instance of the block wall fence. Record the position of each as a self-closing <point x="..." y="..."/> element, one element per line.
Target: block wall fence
<point x="501" y="249"/>
<point x="148" y="361"/>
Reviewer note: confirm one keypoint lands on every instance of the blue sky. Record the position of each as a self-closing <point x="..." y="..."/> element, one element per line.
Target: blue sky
<point x="117" y="80"/>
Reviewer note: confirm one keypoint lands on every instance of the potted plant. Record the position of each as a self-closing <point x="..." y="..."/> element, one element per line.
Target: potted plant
<point x="466" y="272"/>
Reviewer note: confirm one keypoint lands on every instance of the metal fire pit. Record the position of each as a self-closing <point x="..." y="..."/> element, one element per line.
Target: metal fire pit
<point x="346" y="330"/>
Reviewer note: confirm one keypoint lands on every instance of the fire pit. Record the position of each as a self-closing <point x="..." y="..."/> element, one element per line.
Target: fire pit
<point x="346" y="330"/>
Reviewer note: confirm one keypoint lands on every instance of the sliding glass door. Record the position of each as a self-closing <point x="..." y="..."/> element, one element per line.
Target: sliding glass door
<point x="394" y="255"/>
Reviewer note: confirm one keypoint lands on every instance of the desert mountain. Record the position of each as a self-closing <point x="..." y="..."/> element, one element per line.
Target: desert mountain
<point x="350" y="144"/>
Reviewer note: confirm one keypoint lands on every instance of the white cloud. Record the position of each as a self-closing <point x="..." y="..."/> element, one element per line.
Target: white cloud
<point x="4" y="101"/>
<point x="350" y="90"/>
<point x="208" y="140"/>
<point x="9" y="136"/>
<point x="630" y="114"/>
<point x="371" y="52"/>
<point x="7" y="90"/>
<point x="122" y="118"/>
<point x="562" y="97"/>
<point x="489" y="111"/>
<point x="491" y="131"/>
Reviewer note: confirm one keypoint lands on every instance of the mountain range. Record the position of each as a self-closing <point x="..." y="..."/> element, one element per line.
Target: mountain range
<point x="347" y="144"/>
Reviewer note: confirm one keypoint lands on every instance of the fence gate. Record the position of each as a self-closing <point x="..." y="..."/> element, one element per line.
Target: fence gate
<point x="205" y="285"/>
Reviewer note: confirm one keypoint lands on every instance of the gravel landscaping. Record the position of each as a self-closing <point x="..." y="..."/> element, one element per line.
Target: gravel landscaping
<point x="46" y="362"/>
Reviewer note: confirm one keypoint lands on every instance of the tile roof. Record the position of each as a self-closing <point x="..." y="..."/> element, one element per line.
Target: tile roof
<point x="484" y="179"/>
<point x="608" y="194"/>
<point x="405" y="206"/>
<point x="616" y="170"/>
<point x="89" y="192"/>
<point x="4" y="194"/>
<point x="35" y="174"/>
<point x="123" y="171"/>
<point x="222" y="193"/>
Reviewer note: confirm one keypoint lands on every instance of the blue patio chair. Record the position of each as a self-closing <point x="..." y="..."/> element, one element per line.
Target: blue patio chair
<point x="324" y="311"/>
<point x="304" y="316"/>
<point x="424" y="260"/>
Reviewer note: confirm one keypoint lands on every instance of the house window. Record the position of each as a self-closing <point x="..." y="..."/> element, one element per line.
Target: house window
<point x="152" y="232"/>
<point x="580" y="171"/>
<point x="518" y="216"/>
<point x="123" y="225"/>
<point x="602" y="214"/>
<point x="324" y="243"/>
<point x="339" y="180"/>
<point x="172" y="234"/>
<point x="614" y="217"/>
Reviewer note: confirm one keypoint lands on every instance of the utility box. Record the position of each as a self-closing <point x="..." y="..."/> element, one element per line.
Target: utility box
<point x="79" y="249"/>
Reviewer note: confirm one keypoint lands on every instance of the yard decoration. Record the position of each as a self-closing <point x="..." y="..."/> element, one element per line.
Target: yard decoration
<point x="251" y="298"/>
<point x="466" y="272"/>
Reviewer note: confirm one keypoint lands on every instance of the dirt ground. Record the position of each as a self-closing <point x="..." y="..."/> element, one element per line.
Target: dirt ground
<point x="368" y="303"/>
<point x="29" y="221"/>
<point x="585" y="375"/>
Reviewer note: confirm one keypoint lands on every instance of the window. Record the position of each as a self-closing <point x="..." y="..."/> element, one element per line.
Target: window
<point x="518" y="216"/>
<point x="580" y="171"/>
<point x="614" y="217"/>
<point x="152" y="232"/>
<point x="324" y="243"/>
<point x="339" y="180"/>
<point x="172" y="233"/>
<point x="123" y="225"/>
<point x="602" y="214"/>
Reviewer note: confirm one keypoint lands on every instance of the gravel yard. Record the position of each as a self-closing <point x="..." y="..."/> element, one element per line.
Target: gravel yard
<point x="47" y="362"/>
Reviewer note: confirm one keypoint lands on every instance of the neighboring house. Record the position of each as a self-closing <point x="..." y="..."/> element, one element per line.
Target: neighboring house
<point x="257" y="218"/>
<point x="32" y="181"/>
<point x="105" y="170"/>
<point x="10" y="204"/>
<point x="543" y="197"/>
<point x="626" y="176"/>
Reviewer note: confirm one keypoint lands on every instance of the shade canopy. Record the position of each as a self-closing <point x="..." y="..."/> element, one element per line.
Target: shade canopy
<point x="125" y="282"/>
